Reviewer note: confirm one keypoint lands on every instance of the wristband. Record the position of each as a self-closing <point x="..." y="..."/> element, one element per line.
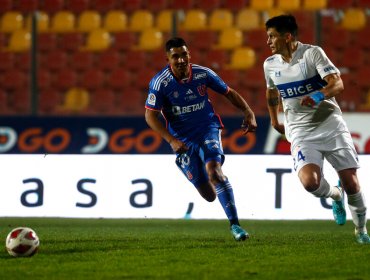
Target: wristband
<point x="317" y="97"/>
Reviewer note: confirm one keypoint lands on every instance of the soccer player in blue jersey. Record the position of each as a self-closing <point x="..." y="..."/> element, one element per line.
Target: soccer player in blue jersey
<point x="306" y="82"/>
<point x="193" y="129"/>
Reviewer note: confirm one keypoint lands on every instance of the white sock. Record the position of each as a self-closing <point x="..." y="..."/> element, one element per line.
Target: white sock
<point x="325" y="190"/>
<point x="357" y="206"/>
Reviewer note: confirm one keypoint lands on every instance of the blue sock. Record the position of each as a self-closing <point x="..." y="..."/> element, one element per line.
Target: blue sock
<point x="226" y="197"/>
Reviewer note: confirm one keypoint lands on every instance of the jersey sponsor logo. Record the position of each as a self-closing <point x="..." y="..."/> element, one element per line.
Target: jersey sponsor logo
<point x="201" y="75"/>
<point x="300" y="88"/>
<point x="151" y="99"/>
<point x="177" y="110"/>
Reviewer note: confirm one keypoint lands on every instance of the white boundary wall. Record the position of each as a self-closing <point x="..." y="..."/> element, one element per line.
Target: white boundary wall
<point x="151" y="186"/>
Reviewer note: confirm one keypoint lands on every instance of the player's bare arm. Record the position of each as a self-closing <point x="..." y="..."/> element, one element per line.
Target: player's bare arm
<point x="334" y="87"/>
<point x="272" y="96"/>
<point x="152" y="119"/>
<point x="249" y="123"/>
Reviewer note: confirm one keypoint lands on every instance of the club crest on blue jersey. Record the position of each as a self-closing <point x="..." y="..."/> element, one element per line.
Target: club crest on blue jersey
<point x="151" y="99"/>
<point x="202" y="90"/>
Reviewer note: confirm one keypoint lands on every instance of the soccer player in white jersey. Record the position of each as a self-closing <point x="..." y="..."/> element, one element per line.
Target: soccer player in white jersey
<point x="180" y="92"/>
<point x="305" y="81"/>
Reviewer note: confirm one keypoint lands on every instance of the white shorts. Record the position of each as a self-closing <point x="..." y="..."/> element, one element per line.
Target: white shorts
<point x="339" y="151"/>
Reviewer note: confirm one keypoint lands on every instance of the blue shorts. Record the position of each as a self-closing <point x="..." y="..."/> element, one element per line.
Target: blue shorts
<point x="192" y="163"/>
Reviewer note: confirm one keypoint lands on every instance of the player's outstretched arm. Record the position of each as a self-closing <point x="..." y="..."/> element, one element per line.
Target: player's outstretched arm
<point x="272" y="96"/>
<point x="249" y="123"/>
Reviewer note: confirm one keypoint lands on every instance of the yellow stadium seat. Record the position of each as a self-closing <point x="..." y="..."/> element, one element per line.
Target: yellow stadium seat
<point x="20" y="41"/>
<point x="88" y="20"/>
<point x="141" y="20"/>
<point x="115" y="21"/>
<point x="261" y="5"/>
<point x="11" y="21"/>
<point x="164" y="20"/>
<point x="150" y="40"/>
<point x="242" y="58"/>
<point x="288" y="5"/>
<point x="97" y="40"/>
<point x="63" y="22"/>
<point x="354" y="19"/>
<point x="194" y="20"/>
<point x="42" y="22"/>
<point x="247" y="19"/>
<point x="76" y="100"/>
<point x="313" y="5"/>
<point x="220" y="19"/>
<point x="229" y="38"/>
<point x="269" y="14"/>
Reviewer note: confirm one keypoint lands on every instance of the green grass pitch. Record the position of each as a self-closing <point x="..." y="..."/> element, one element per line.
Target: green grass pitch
<point x="186" y="249"/>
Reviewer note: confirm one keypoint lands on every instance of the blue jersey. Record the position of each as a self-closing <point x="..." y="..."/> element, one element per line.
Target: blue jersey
<point x="185" y="105"/>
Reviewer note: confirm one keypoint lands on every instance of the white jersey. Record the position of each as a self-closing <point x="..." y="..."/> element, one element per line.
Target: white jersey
<point x="304" y="76"/>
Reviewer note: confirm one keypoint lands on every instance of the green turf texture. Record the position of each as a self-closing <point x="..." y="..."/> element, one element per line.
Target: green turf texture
<point x="186" y="249"/>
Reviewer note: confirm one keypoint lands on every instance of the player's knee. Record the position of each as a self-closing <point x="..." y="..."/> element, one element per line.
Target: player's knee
<point x="216" y="177"/>
<point x="351" y="187"/>
<point x="207" y="191"/>
<point x="310" y="183"/>
<point x="210" y="197"/>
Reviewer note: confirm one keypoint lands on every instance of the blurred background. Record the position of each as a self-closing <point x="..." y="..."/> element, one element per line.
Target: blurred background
<point x="96" y="58"/>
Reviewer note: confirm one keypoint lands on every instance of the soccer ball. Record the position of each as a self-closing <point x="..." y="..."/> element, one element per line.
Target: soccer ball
<point x="22" y="242"/>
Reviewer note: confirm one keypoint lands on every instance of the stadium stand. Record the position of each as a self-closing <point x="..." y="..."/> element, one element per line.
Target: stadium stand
<point x="52" y="6"/>
<point x="288" y="5"/>
<point x="88" y="21"/>
<point x="77" y="6"/>
<point x="63" y="21"/>
<point x="97" y="40"/>
<point x="102" y="101"/>
<point x="248" y="19"/>
<point x="149" y="39"/>
<point x="7" y="61"/>
<point x="11" y="21"/>
<point x="220" y="19"/>
<point x="49" y="101"/>
<point x="6" y="6"/>
<point x="79" y="39"/>
<point x="242" y="58"/>
<point x="82" y="61"/>
<point x="115" y="21"/>
<point x="109" y="60"/>
<point x="314" y="5"/>
<point x="70" y="42"/>
<point x="47" y="42"/>
<point x="258" y="5"/>
<point x="75" y="101"/>
<point x="141" y="20"/>
<point x="353" y="19"/>
<point x="42" y="22"/>
<point x="229" y="38"/>
<point x="194" y="20"/>
<point x="103" y="6"/>
<point x="23" y="61"/>
<point x="156" y="6"/>
<point x="164" y="20"/>
<point x="19" y="41"/>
